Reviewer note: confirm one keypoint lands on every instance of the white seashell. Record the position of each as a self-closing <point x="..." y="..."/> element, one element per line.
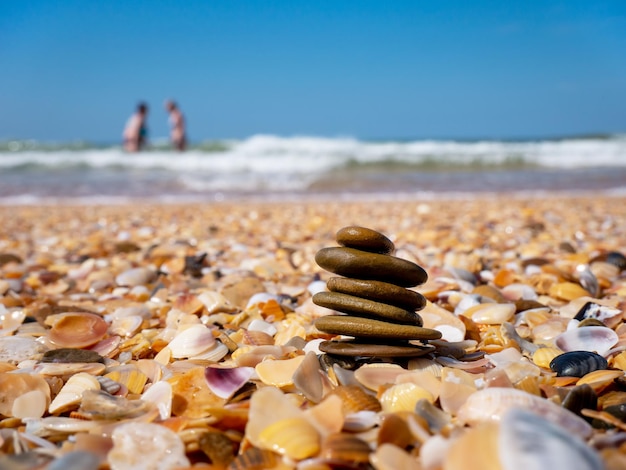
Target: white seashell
<point x="50" y="425"/>
<point x="192" y="341"/>
<point x="213" y="355"/>
<point x="469" y="300"/>
<point x="71" y="393"/>
<point x="134" y="310"/>
<point x="15" y="349"/>
<point x="10" y="320"/>
<point x="30" y="405"/>
<point x="491" y="313"/>
<point x="438" y="318"/>
<point x="433" y="452"/>
<point x="316" y="286"/>
<point x="83" y="270"/>
<point x="261" y="297"/>
<point x="391" y="457"/>
<point x="373" y="376"/>
<point x="314" y="346"/>
<point x="126" y="326"/>
<point x="135" y="277"/>
<point x="491" y="404"/>
<point x="517" y="291"/>
<point x="521" y="431"/>
<point x="361" y="421"/>
<point x="262" y="325"/>
<point x="138" y="446"/>
<point x="214" y="302"/>
<point x="160" y="393"/>
<point x="597" y="339"/>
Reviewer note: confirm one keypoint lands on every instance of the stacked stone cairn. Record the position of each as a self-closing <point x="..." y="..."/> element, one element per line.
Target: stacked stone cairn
<point x="380" y="313"/>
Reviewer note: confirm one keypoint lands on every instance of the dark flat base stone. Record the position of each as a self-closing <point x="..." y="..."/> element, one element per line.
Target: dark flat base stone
<point x="354" y="349"/>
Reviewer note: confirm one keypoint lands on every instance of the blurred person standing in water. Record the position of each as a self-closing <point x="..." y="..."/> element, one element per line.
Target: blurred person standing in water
<point x="177" y="124"/>
<point x="136" y="130"/>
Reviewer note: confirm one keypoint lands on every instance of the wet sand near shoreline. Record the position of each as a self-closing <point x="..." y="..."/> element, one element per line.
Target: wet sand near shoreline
<point x="126" y="281"/>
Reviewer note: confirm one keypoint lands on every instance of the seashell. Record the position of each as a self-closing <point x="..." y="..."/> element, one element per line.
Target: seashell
<point x="579" y="398"/>
<point x="10" y="320"/>
<point x="76" y="460"/>
<point x="543" y="356"/>
<point x="32" y="404"/>
<point x="99" y="405"/>
<point x="256" y="338"/>
<point x="308" y="379"/>
<point x="14" y="387"/>
<point x="107" y="347"/>
<point x="358" y="422"/>
<point x="355" y="399"/>
<point x="619" y="361"/>
<point x="617" y="259"/>
<point x="160" y="393"/>
<point x="252" y="355"/>
<point x="72" y="392"/>
<point x="521" y="430"/>
<point x="126" y="326"/>
<point x="137" y="446"/>
<point x="189" y="303"/>
<point x="598" y="339"/>
<point x="600" y="379"/>
<point x="214" y="302"/>
<point x="262" y="325"/>
<point x="438" y="318"/>
<point x="328" y="417"/>
<point x="491" y="313"/>
<point x="108" y="385"/>
<point x="135" y="277"/>
<point x="132" y="378"/>
<point x="373" y="376"/>
<point x="192" y="396"/>
<point x="278" y="372"/>
<point x="588" y="279"/>
<point x="343" y="447"/>
<point x="191" y="341"/>
<point x="491" y="404"/>
<point x="77" y="330"/>
<point x="212" y="355"/>
<point x="255" y="459"/>
<point x="403" y="397"/>
<point x="15" y="349"/>
<point x="567" y="291"/>
<point x="391" y="457"/>
<point x="66" y="370"/>
<point x="596" y="311"/>
<point x="489" y="291"/>
<point x="294" y="437"/>
<point x="432" y="415"/>
<point x="476" y="449"/>
<point x="225" y="382"/>
<point x="51" y="425"/>
<point x="456" y="387"/>
<point x="217" y="447"/>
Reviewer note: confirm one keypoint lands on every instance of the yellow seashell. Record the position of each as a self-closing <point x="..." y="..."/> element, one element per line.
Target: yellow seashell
<point x="567" y="291"/>
<point x="543" y="356"/>
<point x="133" y="379"/>
<point x="475" y="449"/>
<point x="490" y="313"/>
<point x="356" y="399"/>
<point x="599" y="379"/>
<point x="403" y="397"/>
<point x="294" y="437"/>
<point x="278" y="373"/>
<point x="619" y="361"/>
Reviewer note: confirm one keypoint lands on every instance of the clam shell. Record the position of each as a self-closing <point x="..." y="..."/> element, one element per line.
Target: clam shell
<point x="597" y="339"/>
<point x="521" y="430"/>
<point x="490" y="313"/>
<point x="71" y="394"/>
<point x="32" y="404"/>
<point x="99" y="405"/>
<point x="14" y="387"/>
<point x="278" y="372"/>
<point x="294" y="437"/>
<point x="77" y="330"/>
<point x="192" y="341"/>
<point x="137" y="446"/>
<point x="391" y="457"/>
<point x="15" y="349"/>
<point x="161" y="394"/>
<point x="225" y="382"/>
<point x="490" y="404"/>
<point x="476" y="449"/>
<point x="355" y="399"/>
<point x="135" y="277"/>
<point x="308" y="378"/>
<point x="373" y="376"/>
<point x="543" y="356"/>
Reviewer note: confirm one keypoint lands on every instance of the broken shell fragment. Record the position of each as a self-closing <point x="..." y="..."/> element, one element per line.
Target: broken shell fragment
<point x="225" y="382"/>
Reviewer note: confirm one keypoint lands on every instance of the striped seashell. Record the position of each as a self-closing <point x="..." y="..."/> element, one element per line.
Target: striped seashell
<point x="543" y="356"/>
<point x="294" y="437"/>
<point x="355" y="399"/>
<point x="344" y="447"/>
<point x="71" y="394"/>
<point x="132" y="378"/>
<point x="403" y="397"/>
<point x="191" y="341"/>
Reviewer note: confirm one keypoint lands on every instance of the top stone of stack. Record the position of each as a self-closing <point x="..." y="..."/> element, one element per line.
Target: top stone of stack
<point x="365" y="239"/>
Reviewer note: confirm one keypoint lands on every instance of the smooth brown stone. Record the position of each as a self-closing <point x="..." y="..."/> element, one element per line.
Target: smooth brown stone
<point x="378" y="291"/>
<point x="70" y="355"/>
<point x="366" y="308"/>
<point x="352" y="349"/>
<point x="364" y="239"/>
<point x="359" y="264"/>
<point x="368" y="328"/>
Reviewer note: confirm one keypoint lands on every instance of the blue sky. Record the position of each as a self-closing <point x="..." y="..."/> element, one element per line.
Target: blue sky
<point x="368" y="69"/>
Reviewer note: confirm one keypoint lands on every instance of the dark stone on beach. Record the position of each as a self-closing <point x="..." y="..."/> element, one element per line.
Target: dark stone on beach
<point x="70" y="355"/>
<point x="369" y="328"/>
<point x="194" y="265"/>
<point x="366" y="308"/>
<point x="6" y="258"/>
<point x="527" y="304"/>
<point x="354" y="349"/>
<point x="359" y="264"/>
<point x="364" y="239"/>
<point x="126" y="247"/>
<point x="378" y="291"/>
<point x="616" y="259"/>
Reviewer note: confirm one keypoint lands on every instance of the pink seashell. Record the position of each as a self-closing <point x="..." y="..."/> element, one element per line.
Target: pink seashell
<point x="597" y="339"/>
<point x="225" y="382"/>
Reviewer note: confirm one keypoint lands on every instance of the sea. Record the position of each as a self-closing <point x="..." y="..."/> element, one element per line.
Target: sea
<point x="271" y="167"/>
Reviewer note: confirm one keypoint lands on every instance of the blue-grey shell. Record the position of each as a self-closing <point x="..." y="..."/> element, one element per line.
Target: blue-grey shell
<point x="577" y="363"/>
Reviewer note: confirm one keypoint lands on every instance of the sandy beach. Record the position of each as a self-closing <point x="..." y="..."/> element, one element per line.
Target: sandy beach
<point x="124" y="281"/>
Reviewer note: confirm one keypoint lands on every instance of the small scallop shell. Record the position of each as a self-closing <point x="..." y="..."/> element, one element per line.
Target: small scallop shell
<point x="543" y="356"/>
<point x="77" y="330"/>
<point x="403" y="397"/>
<point x="345" y="447"/>
<point x="72" y="392"/>
<point x="597" y="339"/>
<point x="192" y="341"/>
<point x="374" y="376"/>
<point x="254" y="458"/>
<point x="294" y="437"/>
<point x="600" y="379"/>
<point x="355" y="399"/>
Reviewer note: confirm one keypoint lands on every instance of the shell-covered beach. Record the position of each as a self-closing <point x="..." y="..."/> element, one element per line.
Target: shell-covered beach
<point x="182" y="336"/>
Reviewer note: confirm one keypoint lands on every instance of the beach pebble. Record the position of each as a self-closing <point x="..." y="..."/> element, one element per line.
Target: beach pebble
<point x="365" y="239"/>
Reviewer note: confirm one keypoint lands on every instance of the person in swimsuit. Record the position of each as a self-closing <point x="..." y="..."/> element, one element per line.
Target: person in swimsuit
<point x="136" y="130"/>
<point x="177" y="124"/>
